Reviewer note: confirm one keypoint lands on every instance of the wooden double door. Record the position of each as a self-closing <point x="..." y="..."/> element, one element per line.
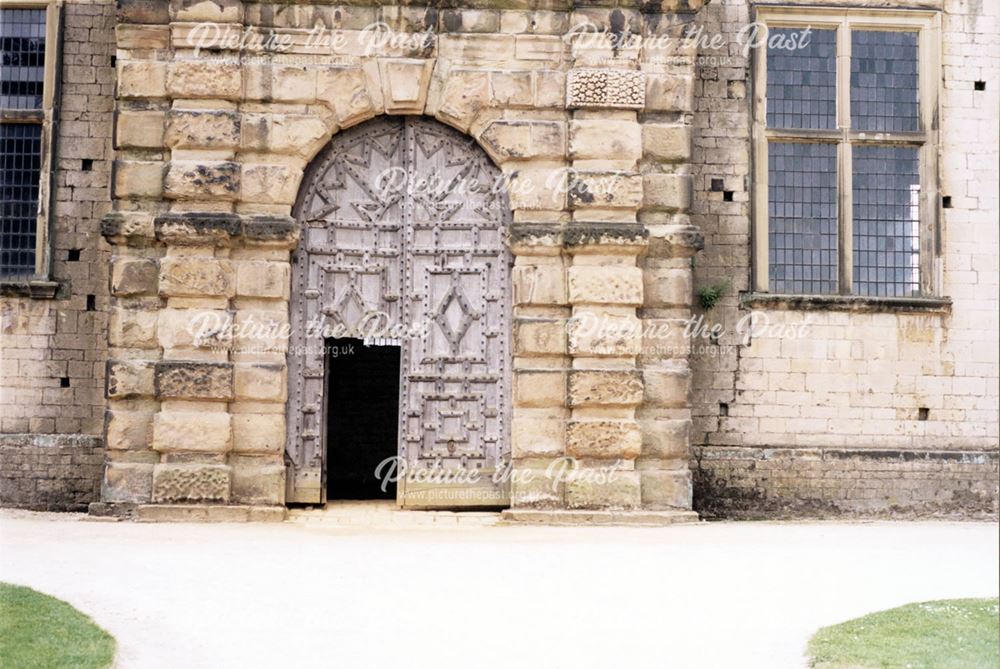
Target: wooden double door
<point x="403" y="244"/>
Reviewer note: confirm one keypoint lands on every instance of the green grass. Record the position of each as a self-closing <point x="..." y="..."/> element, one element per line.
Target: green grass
<point x="946" y="634"/>
<point x="42" y="632"/>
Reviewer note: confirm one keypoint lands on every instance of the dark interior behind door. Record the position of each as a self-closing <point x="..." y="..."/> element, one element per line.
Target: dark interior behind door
<point x="363" y="414"/>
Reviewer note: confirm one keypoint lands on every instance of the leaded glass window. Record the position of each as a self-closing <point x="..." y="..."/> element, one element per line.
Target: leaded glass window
<point x="25" y="123"/>
<point x="843" y="142"/>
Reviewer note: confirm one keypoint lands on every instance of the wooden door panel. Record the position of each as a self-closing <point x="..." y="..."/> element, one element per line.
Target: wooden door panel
<point x="428" y="255"/>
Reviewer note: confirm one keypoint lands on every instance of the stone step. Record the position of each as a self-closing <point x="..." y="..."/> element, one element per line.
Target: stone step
<point x="387" y="514"/>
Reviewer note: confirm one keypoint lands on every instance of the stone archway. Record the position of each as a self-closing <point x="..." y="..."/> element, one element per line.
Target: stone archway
<point x="403" y="225"/>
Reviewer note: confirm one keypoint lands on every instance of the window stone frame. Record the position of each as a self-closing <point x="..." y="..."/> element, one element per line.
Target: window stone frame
<point x="40" y="284"/>
<point x="927" y="23"/>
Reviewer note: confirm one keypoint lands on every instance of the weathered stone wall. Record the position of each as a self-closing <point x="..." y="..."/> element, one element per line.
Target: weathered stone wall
<point x="593" y="136"/>
<point x="52" y="351"/>
<point x="922" y="385"/>
<point x="50" y="472"/>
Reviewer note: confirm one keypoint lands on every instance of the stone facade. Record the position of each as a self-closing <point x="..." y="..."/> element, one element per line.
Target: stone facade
<point x="211" y="151"/>
<point x="53" y="351"/>
<point x="621" y="164"/>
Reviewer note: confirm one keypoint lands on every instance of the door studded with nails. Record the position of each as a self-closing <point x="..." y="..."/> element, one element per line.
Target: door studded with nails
<point x="403" y="240"/>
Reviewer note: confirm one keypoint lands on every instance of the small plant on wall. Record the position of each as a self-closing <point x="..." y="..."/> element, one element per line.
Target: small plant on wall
<point x="709" y="295"/>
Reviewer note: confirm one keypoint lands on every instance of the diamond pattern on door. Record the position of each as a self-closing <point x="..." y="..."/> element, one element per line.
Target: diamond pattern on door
<point x="405" y="218"/>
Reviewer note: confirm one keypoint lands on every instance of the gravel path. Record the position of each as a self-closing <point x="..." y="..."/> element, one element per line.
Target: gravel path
<point x="714" y="596"/>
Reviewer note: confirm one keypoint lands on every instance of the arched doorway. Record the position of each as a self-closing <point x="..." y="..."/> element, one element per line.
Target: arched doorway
<point x="403" y="226"/>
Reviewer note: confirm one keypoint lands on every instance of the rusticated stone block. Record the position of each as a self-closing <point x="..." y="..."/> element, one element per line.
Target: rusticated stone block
<point x="269" y="184"/>
<point x="192" y="431"/>
<point x="604" y="387"/>
<point x="511" y="89"/>
<point x="666" y="488"/>
<point x="623" y="89"/>
<point x="465" y="93"/>
<point x="132" y="328"/>
<point x="292" y="134"/>
<point x="213" y="79"/>
<point x="142" y="37"/>
<point x="190" y="483"/>
<point x="134" y="276"/>
<point x="263" y="279"/>
<point x="605" y="140"/>
<point x="217" y="11"/>
<point x="665" y="439"/>
<point x="260" y="382"/>
<point x="605" y="439"/>
<point x="196" y="276"/>
<point x="131" y="228"/>
<point x="258" y="433"/>
<point x="539" y="284"/>
<point x="539" y="388"/>
<point x="669" y="92"/>
<point x="666" y="143"/>
<point x="142" y="79"/>
<point x="195" y="328"/>
<point x="666" y="192"/>
<point x="128" y="430"/>
<point x="129" y="378"/>
<point x="600" y="334"/>
<point x="345" y="91"/>
<point x="202" y="129"/>
<point x="197" y="228"/>
<point x="139" y="129"/>
<point x="534" y="488"/>
<point x="176" y="379"/>
<point x="605" y="190"/>
<point x="127" y="482"/>
<point x="666" y="387"/>
<point x="202" y="180"/>
<point x="594" y="284"/>
<point x="667" y="287"/>
<point x="533" y="435"/>
<point x="143" y="11"/>
<point x="601" y="489"/>
<point x="539" y="337"/>
<point x="136" y="178"/>
<point x="256" y="482"/>
<point x="533" y="188"/>
<point x="505" y="139"/>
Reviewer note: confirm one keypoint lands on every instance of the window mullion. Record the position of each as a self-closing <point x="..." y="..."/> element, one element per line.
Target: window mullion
<point x="844" y="158"/>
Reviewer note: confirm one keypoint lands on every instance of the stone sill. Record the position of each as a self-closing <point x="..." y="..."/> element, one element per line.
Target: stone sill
<point x="39" y="290"/>
<point x="855" y="303"/>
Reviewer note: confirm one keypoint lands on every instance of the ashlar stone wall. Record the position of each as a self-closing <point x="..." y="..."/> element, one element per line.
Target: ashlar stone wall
<point x="593" y="133"/>
<point x="53" y="336"/>
<point x="879" y="410"/>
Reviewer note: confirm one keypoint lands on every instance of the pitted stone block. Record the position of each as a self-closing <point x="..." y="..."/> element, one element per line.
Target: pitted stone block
<point x="604" y="388"/>
<point x="127" y="482"/>
<point x="190" y="483"/>
<point x="202" y="129"/>
<point x="199" y="180"/>
<point x="192" y="431"/>
<point x="176" y="379"/>
<point x="623" y="89"/>
<point x="126" y="379"/>
<point x="594" y="284"/>
<point x="196" y="276"/>
<point x="604" y="439"/>
<point x="603" y="490"/>
<point x="134" y="276"/>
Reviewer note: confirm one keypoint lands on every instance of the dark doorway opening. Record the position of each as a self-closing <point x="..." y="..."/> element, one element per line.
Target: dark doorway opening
<point x="362" y="414"/>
